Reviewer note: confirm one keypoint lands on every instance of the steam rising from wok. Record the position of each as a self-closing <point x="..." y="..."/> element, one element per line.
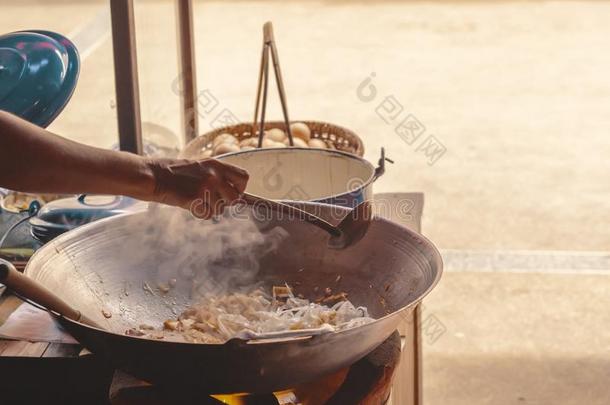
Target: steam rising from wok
<point x="216" y="257"/>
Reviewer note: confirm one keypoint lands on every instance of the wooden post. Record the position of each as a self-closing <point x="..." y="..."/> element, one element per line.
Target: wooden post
<point x="186" y="69"/>
<point x="126" y="75"/>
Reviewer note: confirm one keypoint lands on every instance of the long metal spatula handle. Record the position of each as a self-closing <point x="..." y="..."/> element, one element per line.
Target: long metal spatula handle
<point x="294" y="212"/>
<point x="34" y="291"/>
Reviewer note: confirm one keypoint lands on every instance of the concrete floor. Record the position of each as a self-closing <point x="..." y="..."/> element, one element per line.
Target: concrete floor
<point x="515" y="338"/>
<point x="517" y="92"/>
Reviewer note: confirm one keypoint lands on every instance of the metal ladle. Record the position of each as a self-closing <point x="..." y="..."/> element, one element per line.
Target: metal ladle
<point x="349" y="231"/>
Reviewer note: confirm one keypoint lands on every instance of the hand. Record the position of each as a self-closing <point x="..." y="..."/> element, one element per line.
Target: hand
<point x="205" y="187"/>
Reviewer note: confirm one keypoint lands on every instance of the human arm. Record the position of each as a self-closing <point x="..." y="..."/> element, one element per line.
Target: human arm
<point x="35" y="160"/>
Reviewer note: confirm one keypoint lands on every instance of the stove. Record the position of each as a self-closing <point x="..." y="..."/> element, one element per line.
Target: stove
<point x="366" y="382"/>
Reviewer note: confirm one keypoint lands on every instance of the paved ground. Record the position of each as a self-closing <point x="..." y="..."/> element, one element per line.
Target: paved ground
<point x="517" y="339"/>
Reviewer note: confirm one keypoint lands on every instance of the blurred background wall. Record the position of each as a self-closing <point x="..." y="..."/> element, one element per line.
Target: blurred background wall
<point x="515" y="95"/>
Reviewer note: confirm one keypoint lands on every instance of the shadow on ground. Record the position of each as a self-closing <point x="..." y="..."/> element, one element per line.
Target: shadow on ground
<point x="517" y="380"/>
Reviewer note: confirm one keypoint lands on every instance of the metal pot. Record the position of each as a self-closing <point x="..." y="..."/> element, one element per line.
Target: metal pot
<point x="308" y="174"/>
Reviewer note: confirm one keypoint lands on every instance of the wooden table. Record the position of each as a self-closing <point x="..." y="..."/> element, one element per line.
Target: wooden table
<point x="35" y="372"/>
<point x="44" y="373"/>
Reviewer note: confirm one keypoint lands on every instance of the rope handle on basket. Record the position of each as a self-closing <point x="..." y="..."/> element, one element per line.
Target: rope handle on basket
<point x="269" y="47"/>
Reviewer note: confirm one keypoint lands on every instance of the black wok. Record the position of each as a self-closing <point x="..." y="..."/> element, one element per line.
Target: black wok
<point x="112" y="268"/>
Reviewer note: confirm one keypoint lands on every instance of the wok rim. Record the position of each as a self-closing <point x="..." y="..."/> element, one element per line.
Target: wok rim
<point x="435" y="253"/>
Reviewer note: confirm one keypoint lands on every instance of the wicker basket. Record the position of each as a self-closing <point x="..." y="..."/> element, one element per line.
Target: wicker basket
<point x="334" y="136"/>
